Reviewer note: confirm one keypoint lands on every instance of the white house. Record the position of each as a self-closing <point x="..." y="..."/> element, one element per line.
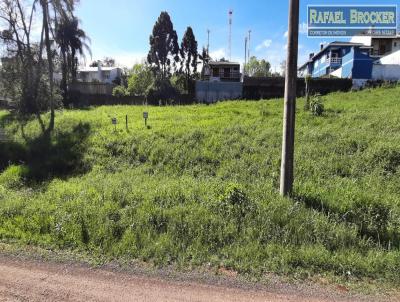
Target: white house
<point x="380" y="46"/>
<point x="99" y="74"/>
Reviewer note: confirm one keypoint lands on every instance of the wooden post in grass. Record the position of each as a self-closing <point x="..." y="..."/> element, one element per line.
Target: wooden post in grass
<point x="287" y="164"/>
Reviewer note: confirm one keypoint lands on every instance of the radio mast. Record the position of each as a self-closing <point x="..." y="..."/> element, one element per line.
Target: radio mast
<point x="248" y="55"/>
<point x="230" y="34"/>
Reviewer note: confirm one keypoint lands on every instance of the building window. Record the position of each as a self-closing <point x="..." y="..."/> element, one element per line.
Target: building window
<point x="227" y="72"/>
<point x="395" y="44"/>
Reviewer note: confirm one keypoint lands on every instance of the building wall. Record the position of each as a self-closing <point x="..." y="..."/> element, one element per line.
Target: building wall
<point x="103" y="76"/>
<point x="392" y="45"/>
<point x="387" y="72"/>
<point x="211" y="92"/>
<point x="320" y="66"/>
<point x="92" y="88"/>
<point x="362" y="66"/>
<point x="393" y="58"/>
<point x="356" y="65"/>
<point x="347" y="64"/>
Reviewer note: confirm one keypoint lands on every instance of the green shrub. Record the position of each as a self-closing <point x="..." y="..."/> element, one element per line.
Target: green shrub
<point x="119" y="91"/>
<point x="13" y="177"/>
<point x="316" y="105"/>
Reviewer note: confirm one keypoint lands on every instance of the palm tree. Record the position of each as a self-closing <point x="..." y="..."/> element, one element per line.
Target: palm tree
<point x="59" y="8"/>
<point x="72" y="41"/>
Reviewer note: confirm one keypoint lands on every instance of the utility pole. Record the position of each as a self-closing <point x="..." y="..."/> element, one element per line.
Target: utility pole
<point x="287" y="163"/>
<point x="245" y="57"/>
<point x="248" y="55"/>
<point x="230" y="34"/>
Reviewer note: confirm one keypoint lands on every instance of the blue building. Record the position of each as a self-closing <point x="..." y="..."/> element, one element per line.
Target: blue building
<point x="340" y="59"/>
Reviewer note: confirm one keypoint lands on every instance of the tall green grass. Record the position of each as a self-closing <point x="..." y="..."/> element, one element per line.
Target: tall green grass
<point x="199" y="185"/>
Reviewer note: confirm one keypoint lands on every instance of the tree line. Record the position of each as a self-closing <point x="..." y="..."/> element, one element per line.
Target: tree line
<point x="170" y="66"/>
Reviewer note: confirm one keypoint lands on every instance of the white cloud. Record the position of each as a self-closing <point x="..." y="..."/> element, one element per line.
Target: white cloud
<point x="122" y="58"/>
<point x="265" y="44"/>
<point x="128" y="59"/>
<point x="218" y="54"/>
<point x="303" y="29"/>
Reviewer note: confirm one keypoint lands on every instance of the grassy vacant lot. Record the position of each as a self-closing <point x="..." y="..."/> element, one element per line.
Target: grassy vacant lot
<point x="200" y="186"/>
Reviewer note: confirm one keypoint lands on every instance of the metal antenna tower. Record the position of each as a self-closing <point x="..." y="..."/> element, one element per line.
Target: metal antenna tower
<point x="230" y="34"/>
<point x="248" y="55"/>
<point x="245" y="56"/>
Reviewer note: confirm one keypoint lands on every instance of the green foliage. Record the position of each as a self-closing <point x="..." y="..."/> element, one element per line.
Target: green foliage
<point x="72" y="41"/>
<point x="178" y="81"/>
<point x="119" y="91"/>
<point x="13" y="177"/>
<point x="163" y="46"/>
<point x="140" y="79"/>
<point x="257" y="68"/>
<point x="201" y="186"/>
<point x="316" y="105"/>
<point x="189" y="53"/>
<point x="161" y="92"/>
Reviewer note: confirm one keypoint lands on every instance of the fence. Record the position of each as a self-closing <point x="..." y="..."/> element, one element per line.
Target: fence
<point x="92" y="88"/>
<point x="265" y="88"/>
<point x="96" y="94"/>
<point x="210" y="92"/>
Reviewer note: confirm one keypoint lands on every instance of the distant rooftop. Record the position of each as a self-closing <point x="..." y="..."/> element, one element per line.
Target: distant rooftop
<point x="95" y="69"/>
<point x="222" y="63"/>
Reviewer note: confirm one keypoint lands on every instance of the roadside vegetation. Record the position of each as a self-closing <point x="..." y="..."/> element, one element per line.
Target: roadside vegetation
<point x="200" y="185"/>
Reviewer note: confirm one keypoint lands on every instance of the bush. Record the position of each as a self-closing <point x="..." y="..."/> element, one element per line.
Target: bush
<point x="161" y="92"/>
<point x="119" y="91"/>
<point x="140" y="79"/>
<point x="13" y="176"/>
<point x="316" y="106"/>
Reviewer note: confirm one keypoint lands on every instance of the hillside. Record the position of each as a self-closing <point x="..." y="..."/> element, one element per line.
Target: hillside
<point x="200" y="185"/>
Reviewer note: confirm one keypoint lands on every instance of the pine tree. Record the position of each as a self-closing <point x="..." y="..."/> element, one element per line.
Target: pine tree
<point x="163" y="46"/>
<point x="189" y="55"/>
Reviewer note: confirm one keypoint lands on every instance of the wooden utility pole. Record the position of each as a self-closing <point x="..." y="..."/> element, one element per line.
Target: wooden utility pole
<point x="287" y="164"/>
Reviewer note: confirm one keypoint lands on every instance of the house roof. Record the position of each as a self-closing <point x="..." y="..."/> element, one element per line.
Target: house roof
<point x="332" y="44"/>
<point x="220" y="63"/>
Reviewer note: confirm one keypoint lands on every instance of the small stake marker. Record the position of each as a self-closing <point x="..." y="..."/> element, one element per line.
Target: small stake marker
<point x="114" y="122"/>
<point x="145" y="116"/>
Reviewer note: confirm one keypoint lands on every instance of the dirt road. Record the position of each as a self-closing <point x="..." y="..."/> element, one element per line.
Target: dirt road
<point x="22" y="280"/>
